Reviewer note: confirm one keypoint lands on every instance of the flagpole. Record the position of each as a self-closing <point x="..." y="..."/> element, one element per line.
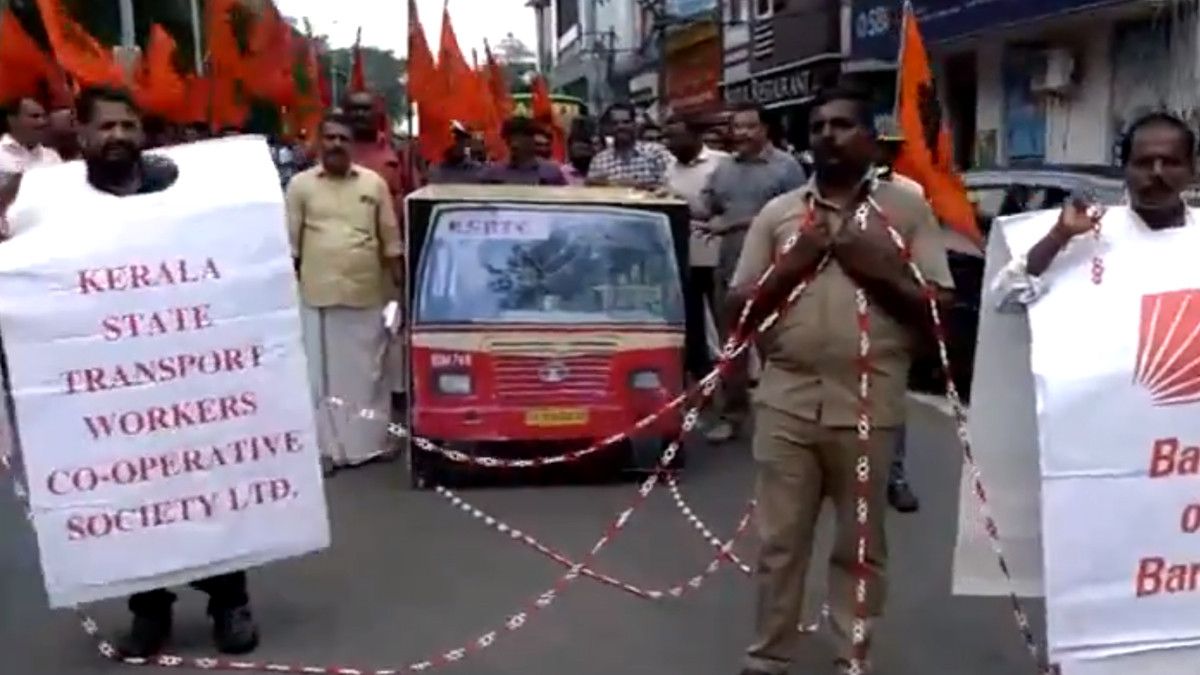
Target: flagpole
<point x="907" y="12"/>
<point x="199" y="53"/>
<point x="125" y="53"/>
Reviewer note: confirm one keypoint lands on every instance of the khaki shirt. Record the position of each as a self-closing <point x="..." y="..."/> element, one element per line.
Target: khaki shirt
<point x="345" y="234"/>
<point x="811" y="354"/>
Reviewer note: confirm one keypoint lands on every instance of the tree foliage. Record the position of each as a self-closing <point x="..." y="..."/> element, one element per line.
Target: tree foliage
<point x="383" y="71"/>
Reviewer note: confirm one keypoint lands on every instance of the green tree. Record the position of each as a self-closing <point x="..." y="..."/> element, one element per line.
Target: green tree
<point x="383" y="71"/>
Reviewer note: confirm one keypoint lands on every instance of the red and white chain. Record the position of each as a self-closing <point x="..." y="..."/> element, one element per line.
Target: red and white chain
<point x="674" y="591"/>
<point x="964" y="439"/>
<point x="703" y="529"/>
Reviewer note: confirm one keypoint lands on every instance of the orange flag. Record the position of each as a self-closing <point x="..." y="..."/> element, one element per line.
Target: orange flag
<point x="463" y="100"/>
<point x="927" y="155"/>
<point x="310" y="106"/>
<point x="358" y="72"/>
<point x="199" y="98"/>
<point x="159" y="88"/>
<point x="24" y="67"/>
<point x="497" y="83"/>
<point x="542" y="107"/>
<point x="269" y="71"/>
<point x="426" y="89"/>
<point x="230" y="106"/>
<point x="80" y="54"/>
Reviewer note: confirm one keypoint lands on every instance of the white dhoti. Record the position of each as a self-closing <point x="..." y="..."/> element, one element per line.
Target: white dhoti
<point x="347" y="362"/>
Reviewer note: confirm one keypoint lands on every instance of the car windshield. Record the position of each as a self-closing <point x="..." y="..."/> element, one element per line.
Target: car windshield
<point x="500" y="263"/>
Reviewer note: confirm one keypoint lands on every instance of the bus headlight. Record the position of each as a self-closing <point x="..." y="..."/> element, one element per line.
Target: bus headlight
<point x="454" y="384"/>
<point x="645" y="380"/>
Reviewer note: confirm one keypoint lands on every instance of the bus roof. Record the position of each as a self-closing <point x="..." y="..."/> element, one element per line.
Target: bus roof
<point x="542" y="194"/>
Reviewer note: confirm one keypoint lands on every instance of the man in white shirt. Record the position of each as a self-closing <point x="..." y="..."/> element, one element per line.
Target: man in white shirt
<point x="1158" y="154"/>
<point x="23" y="147"/>
<point x="687" y="177"/>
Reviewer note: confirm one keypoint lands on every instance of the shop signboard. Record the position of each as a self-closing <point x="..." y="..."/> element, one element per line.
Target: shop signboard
<point x="875" y="24"/>
<point x="779" y="87"/>
<point x="694" y="76"/>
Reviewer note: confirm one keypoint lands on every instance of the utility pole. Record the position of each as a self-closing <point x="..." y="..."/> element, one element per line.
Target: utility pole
<point x="199" y="53"/>
<point x="127" y="53"/>
<point x="127" y="34"/>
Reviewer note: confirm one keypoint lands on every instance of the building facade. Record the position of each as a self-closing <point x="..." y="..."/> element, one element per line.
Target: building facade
<point x="777" y="54"/>
<point x="603" y="50"/>
<point x="692" y="58"/>
<point x="1039" y="81"/>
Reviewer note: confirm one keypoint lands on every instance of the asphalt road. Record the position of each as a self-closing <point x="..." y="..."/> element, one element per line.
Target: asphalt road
<point x="409" y="576"/>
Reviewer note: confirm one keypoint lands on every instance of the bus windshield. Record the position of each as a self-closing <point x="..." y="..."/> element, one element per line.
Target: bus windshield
<point x="562" y="265"/>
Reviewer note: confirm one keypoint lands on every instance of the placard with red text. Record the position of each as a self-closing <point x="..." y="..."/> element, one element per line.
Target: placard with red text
<point x="1116" y="364"/>
<point x="163" y="413"/>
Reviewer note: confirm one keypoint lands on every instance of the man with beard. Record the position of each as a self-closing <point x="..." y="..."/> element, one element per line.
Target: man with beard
<point x="805" y="444"/>
<point x="24" y="146"/>
<point x="112" y="140"/>
<point x="347" y="249"/>
<point x="372" y="148"/>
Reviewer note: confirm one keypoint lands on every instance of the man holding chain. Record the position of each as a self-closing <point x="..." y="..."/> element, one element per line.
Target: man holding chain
<point x="807" y="404"/>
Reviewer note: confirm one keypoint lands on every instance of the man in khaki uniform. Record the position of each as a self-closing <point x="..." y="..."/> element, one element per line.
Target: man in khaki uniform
<point x="806" y="405"/>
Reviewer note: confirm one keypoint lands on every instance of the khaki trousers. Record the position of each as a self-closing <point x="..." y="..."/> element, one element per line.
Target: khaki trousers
<point x="800" y="464"/>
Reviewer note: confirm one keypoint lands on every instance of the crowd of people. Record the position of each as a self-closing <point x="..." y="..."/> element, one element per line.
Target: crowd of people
<point x="343" y="194"/>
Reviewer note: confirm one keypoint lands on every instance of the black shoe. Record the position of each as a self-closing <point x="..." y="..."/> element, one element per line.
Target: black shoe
<point x="147" y="636"/>
<point x="901" y="497"/>
<point x="751" y="671"/>
<point x="234" y="631"/>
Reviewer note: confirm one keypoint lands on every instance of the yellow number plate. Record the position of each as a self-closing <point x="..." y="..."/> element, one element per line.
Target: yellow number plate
<point x="556" y="417"/>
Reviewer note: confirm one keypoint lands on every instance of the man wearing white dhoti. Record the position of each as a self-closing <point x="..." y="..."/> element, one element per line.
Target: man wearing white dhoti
<point x="347" y="247"/>
<point x="1078" y="461"/>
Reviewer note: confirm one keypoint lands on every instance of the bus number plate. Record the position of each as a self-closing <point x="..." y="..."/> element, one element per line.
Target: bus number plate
<point x="556" y="417"/>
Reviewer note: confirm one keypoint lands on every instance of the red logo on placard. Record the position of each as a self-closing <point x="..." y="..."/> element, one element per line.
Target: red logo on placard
<point x="1168" y="359"/>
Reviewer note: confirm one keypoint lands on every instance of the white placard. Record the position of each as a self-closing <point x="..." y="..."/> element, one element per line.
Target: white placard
<point x="1115" y="382"/>
<point x="156" y="364"/>
<point x="1003" y="432"/>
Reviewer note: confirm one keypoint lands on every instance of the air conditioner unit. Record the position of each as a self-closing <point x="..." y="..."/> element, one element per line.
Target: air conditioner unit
<point x="1056" y="77"/>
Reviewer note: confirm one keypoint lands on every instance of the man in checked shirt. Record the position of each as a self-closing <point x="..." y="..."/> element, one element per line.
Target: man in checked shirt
<point x="629" y="162"/>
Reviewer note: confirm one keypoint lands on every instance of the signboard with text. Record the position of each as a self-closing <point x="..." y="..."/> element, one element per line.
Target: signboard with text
<point x="1100" y="448"/>
<point x="784" y="86"/>
<point x="162" y="406"/>
<point x="875" y="24"/>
